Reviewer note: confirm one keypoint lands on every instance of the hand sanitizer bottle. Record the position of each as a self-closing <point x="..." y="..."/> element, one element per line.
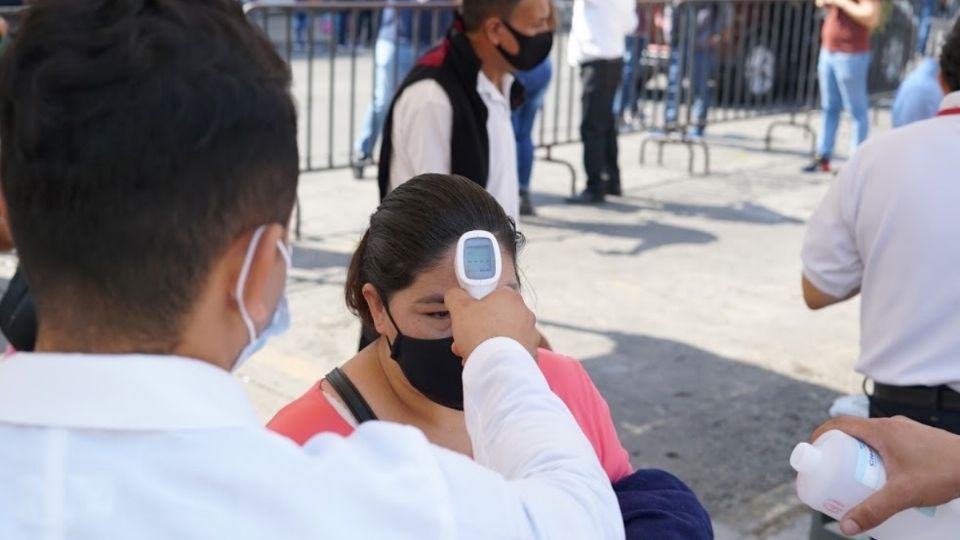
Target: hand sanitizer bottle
<point x="838" y="472"/>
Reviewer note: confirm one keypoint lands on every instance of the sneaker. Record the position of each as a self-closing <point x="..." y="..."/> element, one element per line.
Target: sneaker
<point x="696" y="133"/>
<point x="526" y="207"/>
<point x="819" y="164"/>
<point x="588" y="196"/>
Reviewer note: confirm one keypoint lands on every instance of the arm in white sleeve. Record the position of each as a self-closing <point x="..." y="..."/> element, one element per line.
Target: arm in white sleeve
<point x="551" y="485"/>
<point x="831" y="257"/>
<point x="422" y="131"/>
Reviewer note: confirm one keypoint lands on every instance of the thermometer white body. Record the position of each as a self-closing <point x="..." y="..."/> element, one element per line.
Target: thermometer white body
<point x="478" y="263"/>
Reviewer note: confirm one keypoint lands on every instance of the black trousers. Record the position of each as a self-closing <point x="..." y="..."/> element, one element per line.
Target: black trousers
<point x="948" y="420"/>
<point x="598" y="126"/>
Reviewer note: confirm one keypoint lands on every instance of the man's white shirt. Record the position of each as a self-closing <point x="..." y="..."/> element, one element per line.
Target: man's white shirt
<point x="150" y="447"/>
<point x="423" y="129"/>
<point x="599" y="28"/>
<point x="889" y="226"/>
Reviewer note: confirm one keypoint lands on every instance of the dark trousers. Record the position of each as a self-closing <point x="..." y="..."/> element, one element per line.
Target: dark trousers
<point x="598" y="127"/>
<point x="932" y="415"/>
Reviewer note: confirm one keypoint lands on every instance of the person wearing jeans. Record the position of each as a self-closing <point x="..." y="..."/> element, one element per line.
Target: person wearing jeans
<point x="843" y="66"/>
<point x="395" y="52"/>
<point x="596" y="46"/>
<point x="626" y="105"/>
<point x="694" y="57"/>
<point x="535" y="82"/>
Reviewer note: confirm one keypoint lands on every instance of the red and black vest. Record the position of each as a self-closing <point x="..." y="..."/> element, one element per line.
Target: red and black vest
<point x="455" y="67"/>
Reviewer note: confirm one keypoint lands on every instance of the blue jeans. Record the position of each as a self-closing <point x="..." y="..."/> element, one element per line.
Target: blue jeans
<point x="627" y="99"/>
<point x="393" y="60"/>
<point x="924" y="24"/>
<point x="699" y="83"/>
<point x="535" y="82"/>
<point x="843" y="85"/>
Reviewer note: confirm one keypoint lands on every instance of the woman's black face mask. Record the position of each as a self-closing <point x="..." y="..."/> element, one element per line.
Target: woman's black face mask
<point x="430" y="366"/>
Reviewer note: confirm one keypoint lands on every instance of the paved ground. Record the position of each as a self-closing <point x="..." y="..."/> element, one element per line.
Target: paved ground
<point x="681" y="298"/>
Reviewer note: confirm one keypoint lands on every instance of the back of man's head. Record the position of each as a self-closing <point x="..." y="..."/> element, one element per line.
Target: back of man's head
<point x="475" y="12"/>
<point x="140" y="139"/>
<point x="950" y="59"/>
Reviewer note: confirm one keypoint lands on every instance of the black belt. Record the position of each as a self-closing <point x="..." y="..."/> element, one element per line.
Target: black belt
<point x="941" y="398"/>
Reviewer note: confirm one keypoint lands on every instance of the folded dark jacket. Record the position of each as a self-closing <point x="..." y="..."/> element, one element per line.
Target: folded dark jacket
<point x="658" y="506"/>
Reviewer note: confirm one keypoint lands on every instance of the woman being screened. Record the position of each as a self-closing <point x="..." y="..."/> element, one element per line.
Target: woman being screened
<point x="395" y="284"/>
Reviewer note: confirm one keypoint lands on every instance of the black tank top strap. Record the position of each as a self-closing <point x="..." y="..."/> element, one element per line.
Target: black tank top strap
<point x="354" y="401"/>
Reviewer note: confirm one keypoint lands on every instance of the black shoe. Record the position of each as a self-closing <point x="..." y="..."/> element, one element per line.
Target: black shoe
<point x="613" y="188"/>
<point x="526" y="207"/>
<point x="589" y="196"/>
<point x="359" y="162"/>
<point x="819" y="164"/>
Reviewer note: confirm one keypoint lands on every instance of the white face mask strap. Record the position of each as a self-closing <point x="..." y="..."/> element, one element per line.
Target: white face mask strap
<point x="242" y="281"/>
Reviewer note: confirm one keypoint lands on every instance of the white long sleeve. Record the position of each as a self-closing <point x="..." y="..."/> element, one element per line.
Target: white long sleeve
<point x="552" y="485"/>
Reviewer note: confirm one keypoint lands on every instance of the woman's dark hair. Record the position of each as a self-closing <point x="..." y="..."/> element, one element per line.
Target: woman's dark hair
<point x="414" y="226"/>
<point x="950" y="58"/>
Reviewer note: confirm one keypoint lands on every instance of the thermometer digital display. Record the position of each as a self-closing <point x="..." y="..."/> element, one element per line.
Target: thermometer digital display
<point x="478" y="263"/>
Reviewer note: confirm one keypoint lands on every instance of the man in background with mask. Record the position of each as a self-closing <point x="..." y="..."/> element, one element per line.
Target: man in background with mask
<point x="148" y="189"/>
<point x="452" y="114"/>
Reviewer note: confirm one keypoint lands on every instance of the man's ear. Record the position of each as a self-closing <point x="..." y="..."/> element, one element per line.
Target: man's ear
<point x="377" y="310"/>
<point x="492" y="28"/>
<point x="259" y="286"/>
<point x="943" y="84"/>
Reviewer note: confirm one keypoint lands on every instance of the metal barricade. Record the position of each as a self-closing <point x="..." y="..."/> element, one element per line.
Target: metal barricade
<point x="337" y="54"/>
<point x="691" y="64"/>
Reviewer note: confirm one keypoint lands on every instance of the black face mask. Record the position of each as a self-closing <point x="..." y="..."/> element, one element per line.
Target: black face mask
<point x="533" y="49"/>
<point x="430" y="366"/>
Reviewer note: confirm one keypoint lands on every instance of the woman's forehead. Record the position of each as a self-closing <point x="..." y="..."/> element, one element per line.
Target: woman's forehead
<point x="430" y="284"/>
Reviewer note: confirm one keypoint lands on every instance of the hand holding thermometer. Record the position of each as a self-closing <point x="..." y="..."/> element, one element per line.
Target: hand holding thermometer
<point x="478" y="263"/>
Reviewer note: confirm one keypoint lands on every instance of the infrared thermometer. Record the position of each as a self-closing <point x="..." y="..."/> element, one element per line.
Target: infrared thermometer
<point x="478" y="263"/>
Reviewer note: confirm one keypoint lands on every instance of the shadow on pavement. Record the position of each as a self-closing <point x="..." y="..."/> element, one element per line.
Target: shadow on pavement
<point x="307" y="258"/>
<point x="651" y="235"/>
<point x="745" y="212"/>
<point x="724" y="427"/>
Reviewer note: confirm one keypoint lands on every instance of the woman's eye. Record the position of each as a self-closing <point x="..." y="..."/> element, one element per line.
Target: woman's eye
<point x="439" y="315"/>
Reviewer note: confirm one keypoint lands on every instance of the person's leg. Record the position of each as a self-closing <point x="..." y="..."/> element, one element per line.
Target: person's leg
<point x="592" y="129"/>
<point x="300" y="28"/>
<point x="622" y="101"/>
<point x="612" y="79"/>
<point x="535" y="82"/>
<point x="675" y="71"/>
<point x="851" y="73"/>
<point x="393" y="61"/>
<point x="831" y="102"/>
<point x="523" y="119"/>
<point x="702" y="92"/>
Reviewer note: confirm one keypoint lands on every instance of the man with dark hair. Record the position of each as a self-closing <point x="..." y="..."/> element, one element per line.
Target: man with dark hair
<point x="886" y="230"/>
<point x="148" y="188"/>
<point x="452" y="114"/>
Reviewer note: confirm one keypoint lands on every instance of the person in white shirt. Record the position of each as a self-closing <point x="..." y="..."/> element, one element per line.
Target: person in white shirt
<point x="452" y="114"/>
<point x="597" y="45"/>
<point x="886" y="230"/>
<point x="148" y="189"/>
